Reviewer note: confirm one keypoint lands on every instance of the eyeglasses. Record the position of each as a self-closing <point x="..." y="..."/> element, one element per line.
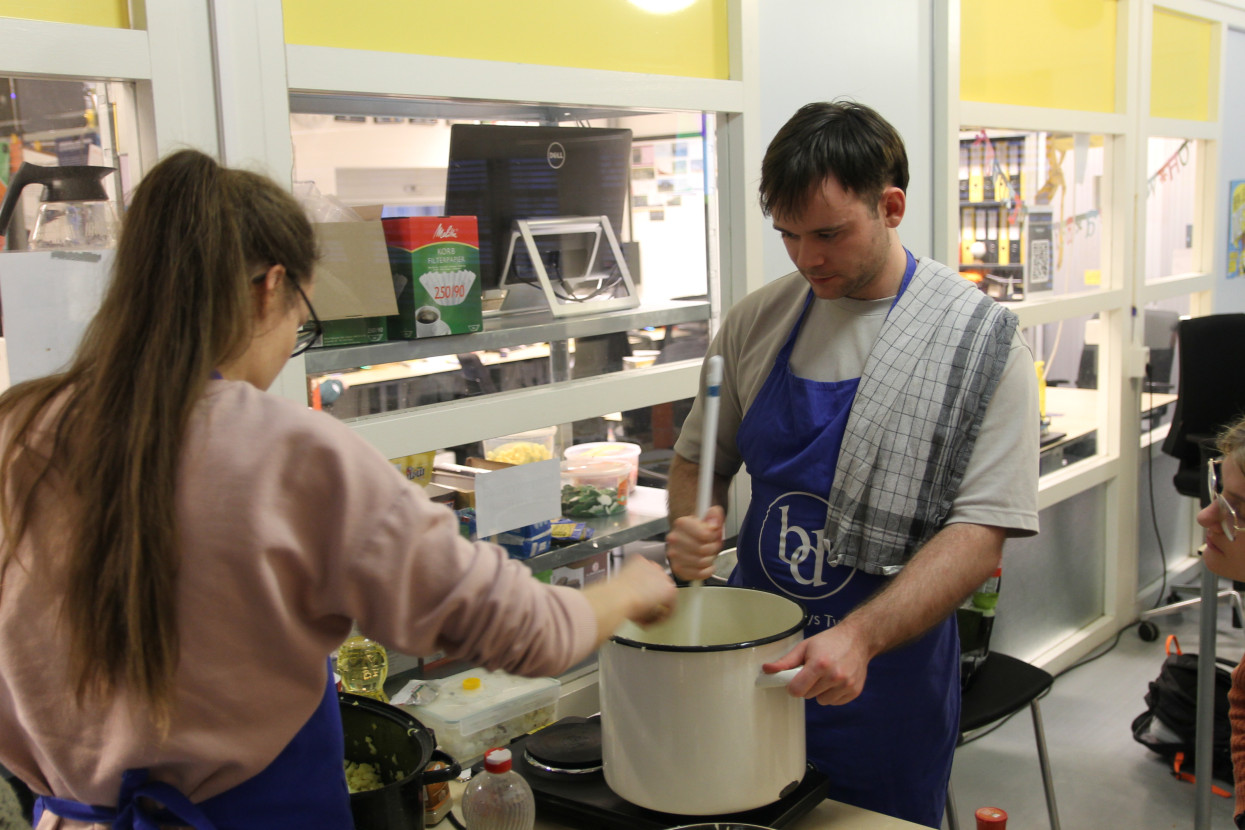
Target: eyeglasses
<point x="1228" y="519"/>
<point x="310" y="331"/>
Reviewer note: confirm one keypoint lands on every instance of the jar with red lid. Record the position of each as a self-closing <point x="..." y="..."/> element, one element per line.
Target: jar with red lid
<point x="991" y="818"/>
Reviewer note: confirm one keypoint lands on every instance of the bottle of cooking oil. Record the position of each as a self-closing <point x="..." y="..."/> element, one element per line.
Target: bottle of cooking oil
<point x="363" y="666"/>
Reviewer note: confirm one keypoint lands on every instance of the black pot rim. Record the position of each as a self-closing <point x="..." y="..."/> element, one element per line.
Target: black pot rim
<point x="771" y="638"/>
<point x="425" y="736"/>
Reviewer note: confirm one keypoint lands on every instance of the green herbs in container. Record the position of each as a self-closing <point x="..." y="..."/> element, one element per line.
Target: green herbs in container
<point x="591" y="489"/>
<point x="589" y="501"/>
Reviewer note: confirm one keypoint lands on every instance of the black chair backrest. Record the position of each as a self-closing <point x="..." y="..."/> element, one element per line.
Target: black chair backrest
<point x="1211" y="394"/>
<point x="1087" y="372"/>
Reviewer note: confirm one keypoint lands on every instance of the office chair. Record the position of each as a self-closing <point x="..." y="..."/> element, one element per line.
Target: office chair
<point x="1210" y="395"/>
<point x="1000" y="687"/>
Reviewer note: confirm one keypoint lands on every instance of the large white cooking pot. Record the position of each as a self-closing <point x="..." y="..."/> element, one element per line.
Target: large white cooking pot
<point x="690" y="723"/>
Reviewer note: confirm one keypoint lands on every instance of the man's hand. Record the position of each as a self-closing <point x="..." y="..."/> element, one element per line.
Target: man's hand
<point x="835" y="664"/>
<point x="693" y="544"/>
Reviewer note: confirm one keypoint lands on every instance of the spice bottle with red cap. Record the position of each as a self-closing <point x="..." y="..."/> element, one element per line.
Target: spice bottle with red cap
<point x="991" y="818"/>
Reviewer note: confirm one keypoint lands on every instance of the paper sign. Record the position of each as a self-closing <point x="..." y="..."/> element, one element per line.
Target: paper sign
<point x="49" y="299"/>
<point x="518" y="496"/>
<point x="1093" y="276"/>
<point x="352" y="277"/>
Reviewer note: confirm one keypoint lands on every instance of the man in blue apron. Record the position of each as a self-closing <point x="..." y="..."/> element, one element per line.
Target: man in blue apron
<point x="886" y="411"/>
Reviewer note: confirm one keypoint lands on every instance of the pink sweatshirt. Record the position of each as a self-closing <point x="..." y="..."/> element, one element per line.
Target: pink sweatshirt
<point x="290" y="526"/>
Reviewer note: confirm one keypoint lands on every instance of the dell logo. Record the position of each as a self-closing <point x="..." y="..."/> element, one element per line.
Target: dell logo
<point x="555" y="155"/>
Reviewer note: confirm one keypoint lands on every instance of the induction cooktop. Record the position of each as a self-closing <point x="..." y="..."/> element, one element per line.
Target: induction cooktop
<point x="579" y="796"/>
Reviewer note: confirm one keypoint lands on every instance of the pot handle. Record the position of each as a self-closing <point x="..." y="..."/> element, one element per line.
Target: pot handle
<point x="436" y="776"/>
<point x="781" y="678"/>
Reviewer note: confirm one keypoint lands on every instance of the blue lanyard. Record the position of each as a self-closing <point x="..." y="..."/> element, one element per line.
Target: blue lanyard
<point x="907" y="278"/>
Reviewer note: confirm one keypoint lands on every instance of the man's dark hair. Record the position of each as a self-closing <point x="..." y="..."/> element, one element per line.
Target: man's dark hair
<point x="843" y="139"/>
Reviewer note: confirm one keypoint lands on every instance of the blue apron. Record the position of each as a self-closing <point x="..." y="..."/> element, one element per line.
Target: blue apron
<point x="304" y="788"/>
<point x="890" y="749"/>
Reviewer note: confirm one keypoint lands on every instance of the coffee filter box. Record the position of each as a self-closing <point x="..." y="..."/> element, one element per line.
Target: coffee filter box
<point x="435" y="261"/>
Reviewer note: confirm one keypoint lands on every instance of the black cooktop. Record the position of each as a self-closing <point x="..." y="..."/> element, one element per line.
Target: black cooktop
<point x="582" y="798"/>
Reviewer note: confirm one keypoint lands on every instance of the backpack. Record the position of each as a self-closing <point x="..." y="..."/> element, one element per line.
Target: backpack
<point x="1169" y="724"/>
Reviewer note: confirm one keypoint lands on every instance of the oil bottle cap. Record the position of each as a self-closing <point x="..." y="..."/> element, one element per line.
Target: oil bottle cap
<point x="470" y="684"/>
<point x="497" y="760"/>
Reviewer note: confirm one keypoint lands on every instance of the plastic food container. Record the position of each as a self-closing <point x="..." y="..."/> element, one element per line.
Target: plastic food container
<point x="477" y="710"/>
<point x="612" y="450"/>
<point x="608" y="479"/>
<point x="522" y="447"/>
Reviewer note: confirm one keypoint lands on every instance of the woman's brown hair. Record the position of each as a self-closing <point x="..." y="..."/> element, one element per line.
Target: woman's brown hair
<point x="110" y="428"/>
<point x="1231" y="443"/>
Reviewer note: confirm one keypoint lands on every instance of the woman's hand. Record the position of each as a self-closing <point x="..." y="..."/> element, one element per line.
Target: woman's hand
<point x="641" y="592"/>
<point x="653" y="593"/>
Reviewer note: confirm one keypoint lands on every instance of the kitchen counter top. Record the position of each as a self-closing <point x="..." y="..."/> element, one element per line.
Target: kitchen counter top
<point x="828" y="815"/>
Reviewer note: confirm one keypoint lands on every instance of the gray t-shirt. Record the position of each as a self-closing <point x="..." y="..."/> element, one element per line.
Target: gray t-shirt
<point x="1000" y="484"/>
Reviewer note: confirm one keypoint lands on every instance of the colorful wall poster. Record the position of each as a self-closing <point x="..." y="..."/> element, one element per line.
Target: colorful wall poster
<point x="1236" y="228"/>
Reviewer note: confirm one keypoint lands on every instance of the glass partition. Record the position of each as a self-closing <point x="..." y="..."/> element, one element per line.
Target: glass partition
<point x="1031" y="212"/>
<point x="1069" y="357"/>
<point x="392" y="387"/>
<point x="1172" y="167"/>
<point x="58" y="122"/>
<point x="351" y="157"/>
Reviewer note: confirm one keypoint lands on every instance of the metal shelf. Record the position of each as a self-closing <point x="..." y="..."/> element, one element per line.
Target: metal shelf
<point x="392" y="106"/>
<point x="645" y="517"/>
<point x="506" y="332"/>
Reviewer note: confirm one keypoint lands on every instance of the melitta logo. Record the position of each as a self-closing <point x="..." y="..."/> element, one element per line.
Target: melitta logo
<point x="555" y="155"/>
<point x="445" y="232"/>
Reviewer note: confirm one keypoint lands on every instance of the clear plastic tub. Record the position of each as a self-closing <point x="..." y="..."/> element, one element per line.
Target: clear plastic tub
<point x="522" y="447"/>
<point x="477" y="710"/>
<point x="608" y="478"/>
<point x="608" y="450"/>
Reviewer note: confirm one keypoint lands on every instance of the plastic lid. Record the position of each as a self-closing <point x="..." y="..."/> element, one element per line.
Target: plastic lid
<point x="470" y="684"/>
<point x="595" y="467"/>
<point x="497" y="760"/>
<point x="987" y="816"/>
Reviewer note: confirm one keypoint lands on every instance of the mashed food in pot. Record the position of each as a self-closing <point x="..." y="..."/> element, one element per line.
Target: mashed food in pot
<point x="362" y="777"/>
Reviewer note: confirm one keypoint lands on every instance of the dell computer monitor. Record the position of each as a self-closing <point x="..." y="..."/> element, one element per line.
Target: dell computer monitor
<point x="500" y="173"/>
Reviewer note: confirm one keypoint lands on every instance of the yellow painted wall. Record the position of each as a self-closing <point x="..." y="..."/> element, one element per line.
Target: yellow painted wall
<point x="111" y="13"/>
<point x="591" y="34"/>
<point x="1039" y="53"/>
<point x="1180" y="62"/>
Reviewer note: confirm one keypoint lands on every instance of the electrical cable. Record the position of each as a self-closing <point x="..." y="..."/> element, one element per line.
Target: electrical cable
<point x="1092" y="657"/>
<point x="1083" y="661"/>
<point x="1154" y="518"/>
<point x="604" y="284"/>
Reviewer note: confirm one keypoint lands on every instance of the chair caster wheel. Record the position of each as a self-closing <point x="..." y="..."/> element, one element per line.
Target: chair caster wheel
<point x="1148" y="631"/>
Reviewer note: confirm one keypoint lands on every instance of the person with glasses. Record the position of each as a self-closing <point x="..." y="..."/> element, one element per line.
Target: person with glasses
<point x="180" y="551"/>
<point x="1224" y="554"/>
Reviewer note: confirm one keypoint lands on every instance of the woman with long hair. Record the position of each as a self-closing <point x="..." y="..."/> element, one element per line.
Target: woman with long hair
<point x="181" y="551"/>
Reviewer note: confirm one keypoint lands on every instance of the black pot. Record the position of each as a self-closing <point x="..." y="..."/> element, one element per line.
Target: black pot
<point x="400" y="747"/>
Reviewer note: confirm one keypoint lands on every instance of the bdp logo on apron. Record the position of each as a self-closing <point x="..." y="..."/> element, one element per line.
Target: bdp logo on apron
<point x="793" y="527"/>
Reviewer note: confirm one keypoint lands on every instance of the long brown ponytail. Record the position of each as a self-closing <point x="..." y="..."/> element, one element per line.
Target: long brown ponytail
<point x="178" y="306"/>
